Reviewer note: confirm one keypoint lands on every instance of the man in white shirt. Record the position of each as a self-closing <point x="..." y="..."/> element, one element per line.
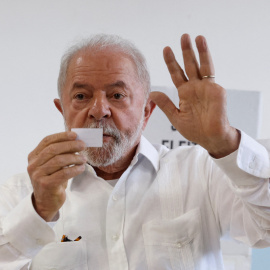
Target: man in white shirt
<point x="135" y="205"/>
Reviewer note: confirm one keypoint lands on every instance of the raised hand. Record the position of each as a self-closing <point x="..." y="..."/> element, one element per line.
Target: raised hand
<point x="50" y="165"/>
<point x="201" y="116"/>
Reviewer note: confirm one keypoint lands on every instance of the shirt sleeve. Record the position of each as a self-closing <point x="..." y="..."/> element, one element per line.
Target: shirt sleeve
<point x="247" y="208"/>
<point x="23" y="233"/>
<point x="251" y="158"/>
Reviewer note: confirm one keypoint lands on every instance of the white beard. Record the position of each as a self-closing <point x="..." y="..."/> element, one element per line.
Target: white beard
<point x="114" y="150"/>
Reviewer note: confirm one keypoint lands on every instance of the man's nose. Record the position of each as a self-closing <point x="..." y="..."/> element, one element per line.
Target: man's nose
<point x="99" y="107"/>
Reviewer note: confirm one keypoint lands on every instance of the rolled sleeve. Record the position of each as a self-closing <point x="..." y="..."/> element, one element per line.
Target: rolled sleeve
<point x="251" y="159"/>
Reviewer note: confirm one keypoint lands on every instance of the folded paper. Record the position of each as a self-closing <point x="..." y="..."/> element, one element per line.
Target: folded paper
<point x="93" y="137"/>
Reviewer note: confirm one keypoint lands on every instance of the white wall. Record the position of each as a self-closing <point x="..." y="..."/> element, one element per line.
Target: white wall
<point x="35" y="33"/>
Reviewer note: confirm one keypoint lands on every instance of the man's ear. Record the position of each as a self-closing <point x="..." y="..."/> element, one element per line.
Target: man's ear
<point x="58" y="105"/>
<point x="149" y="108"/>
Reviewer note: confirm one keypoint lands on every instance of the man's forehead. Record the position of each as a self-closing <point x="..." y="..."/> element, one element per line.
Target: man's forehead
<point x="107" y="59"/>
<point x="104" y="67"/>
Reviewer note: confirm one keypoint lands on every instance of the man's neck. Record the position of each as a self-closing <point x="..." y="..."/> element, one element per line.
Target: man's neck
<point x="108" y="175"/>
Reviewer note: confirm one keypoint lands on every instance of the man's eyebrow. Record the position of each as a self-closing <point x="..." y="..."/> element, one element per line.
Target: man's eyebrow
<point x="77" y="85"/>
<point x="119" y="84"/>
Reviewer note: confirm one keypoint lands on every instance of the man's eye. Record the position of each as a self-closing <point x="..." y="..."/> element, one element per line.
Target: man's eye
<point x="79" y="96"/>
<point x="117" y="96"/>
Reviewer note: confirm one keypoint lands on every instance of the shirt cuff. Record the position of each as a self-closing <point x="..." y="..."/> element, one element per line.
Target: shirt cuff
<point x="25" y="230"/>
<point x="251" y="159"/>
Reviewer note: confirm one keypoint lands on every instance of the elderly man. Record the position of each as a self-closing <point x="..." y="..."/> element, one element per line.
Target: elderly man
<point x="135" y="205"/>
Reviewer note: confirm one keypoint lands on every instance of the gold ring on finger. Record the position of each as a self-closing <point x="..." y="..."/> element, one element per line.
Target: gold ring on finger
<point x="209" y="77"/>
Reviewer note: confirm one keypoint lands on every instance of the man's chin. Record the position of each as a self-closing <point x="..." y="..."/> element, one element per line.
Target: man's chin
<point x="100" y="163"/>
<point x="99" y="157"/>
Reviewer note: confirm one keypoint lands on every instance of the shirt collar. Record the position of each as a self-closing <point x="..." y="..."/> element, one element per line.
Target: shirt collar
<point x="146" y="149"/>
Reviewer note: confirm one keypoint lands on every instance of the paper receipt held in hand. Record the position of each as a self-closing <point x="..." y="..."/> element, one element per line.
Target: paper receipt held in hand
<point x="93" y="137"/>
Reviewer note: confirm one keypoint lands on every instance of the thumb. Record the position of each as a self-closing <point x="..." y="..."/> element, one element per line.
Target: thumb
<point x="164" y="103"/>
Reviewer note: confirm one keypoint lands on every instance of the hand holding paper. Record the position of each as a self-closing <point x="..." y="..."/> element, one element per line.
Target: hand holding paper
<point x="50" y="165"/>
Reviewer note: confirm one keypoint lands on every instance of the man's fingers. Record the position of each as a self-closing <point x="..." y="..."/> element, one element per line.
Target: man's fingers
<point x="56" y="149"/>
<point x="192" y="68"/>
<point x="206" y="63"/>
<point x="164" y="103"/>
<point x="68" y="173"/>
<point x="62" y="161"/>
<point x="55" y="138"/>
<point x="52" y="182"/>
<point x="177" y="74"/>
<point x="190" y="61"/>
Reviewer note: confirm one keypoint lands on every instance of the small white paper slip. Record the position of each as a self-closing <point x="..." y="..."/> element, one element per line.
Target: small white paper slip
<point x="93" y="137"/>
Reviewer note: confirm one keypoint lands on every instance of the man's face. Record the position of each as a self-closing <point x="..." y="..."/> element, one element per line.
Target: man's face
<point x="102" y="90"/>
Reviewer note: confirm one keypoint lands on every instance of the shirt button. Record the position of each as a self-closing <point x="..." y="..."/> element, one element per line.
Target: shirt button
<point x="251" y="165"/>
<point x="114" y="198"/>
<point x="40" y="242"/>
<point x="115" y="237"/>
<point x="179" y="245"/>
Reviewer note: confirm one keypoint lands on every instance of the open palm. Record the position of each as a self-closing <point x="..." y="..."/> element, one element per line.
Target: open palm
<point x="201" y="116"/>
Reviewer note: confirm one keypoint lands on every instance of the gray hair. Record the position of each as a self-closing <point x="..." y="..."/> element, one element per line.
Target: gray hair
<point x="101" y="42"/>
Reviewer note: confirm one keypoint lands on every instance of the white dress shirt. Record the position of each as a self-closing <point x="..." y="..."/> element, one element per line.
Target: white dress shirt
<point x="167" y="211"/>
